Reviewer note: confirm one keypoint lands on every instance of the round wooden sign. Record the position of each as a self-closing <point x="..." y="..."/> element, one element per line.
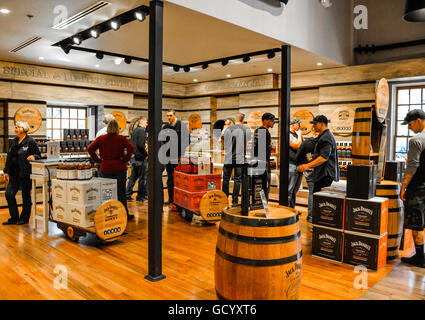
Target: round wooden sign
<point x="382" y="99"/>
<point x="306" y="116"/>
<point x="121" y="119"/>
<point x="254" y="119"/>
<point x="31" y="115"/>
<point x="342" y="121"/>
<point x="195" y="122"/>
<point x="110" y="220"/>
<point x="212" y="205"/>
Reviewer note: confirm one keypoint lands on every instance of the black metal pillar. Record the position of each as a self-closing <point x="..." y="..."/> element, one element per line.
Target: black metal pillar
<point x="285" y="104"/>
<point x="155" y="122"/>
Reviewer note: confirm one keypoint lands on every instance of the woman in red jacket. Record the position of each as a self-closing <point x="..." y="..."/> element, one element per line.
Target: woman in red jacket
<point x="113" y="159"/>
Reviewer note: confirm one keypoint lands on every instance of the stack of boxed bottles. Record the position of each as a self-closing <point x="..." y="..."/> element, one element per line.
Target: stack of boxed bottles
<point x="77" y="194"/>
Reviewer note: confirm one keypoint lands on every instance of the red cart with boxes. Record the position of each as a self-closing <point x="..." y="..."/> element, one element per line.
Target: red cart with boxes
<point x="198" y="192"/>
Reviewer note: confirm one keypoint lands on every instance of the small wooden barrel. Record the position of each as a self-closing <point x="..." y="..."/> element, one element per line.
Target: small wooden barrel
<point x="258" y="258"/>
<point x="391" y="190"/>
<point x="361" y="136"/>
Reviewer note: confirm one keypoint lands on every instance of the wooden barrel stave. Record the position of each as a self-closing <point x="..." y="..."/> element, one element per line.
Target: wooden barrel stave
<point x="391" y="190"/>
<point x="361" y="135"/>
<point x="260" y="262"/>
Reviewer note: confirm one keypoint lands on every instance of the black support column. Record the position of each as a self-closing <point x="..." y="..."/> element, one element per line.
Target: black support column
<point x="155" y="191"/>
<point x="285" y="104"/>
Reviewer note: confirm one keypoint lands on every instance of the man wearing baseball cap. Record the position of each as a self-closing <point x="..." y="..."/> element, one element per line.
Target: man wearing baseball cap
<point x="325" y="163"/>
<point x="295" y="177"/>
<point x="413" y="186"/>
<point x="268" y="123"/>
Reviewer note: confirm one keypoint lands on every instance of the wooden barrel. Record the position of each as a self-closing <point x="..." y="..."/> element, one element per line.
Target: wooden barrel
<point x="361" y="136"/>
<point x="258" y="258"/>
<point x="391" y="190"/>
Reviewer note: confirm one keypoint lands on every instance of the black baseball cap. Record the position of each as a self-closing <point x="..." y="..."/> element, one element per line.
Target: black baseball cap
<point x="268" y="116"/>
<point x="321" y="119"/>
<point x="413" y="115"/>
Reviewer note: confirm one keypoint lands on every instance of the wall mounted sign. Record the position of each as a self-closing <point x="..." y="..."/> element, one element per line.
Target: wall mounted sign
<point x="195" y="122"/>
<point x="306" y="116"/>
<point x="342" y="121"/>
<point x="121" y="119"/>
<point x="31" y="115"/>
<point x="382" y="99"/>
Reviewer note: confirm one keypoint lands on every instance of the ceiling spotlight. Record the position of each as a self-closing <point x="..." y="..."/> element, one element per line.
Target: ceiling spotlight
<point x="246" y="58"/>
<point x="271" y="55"/>
<point x="186" y="69"/>
<point x="118" y="61"/>
<point x="4" y="11"/>
<point x="41" y="58"/>
<point x="127" y="60"/>
<point x="140" y="15"/>
<point x="195" y="80"/>
<point x="224" y="62"/>
<point x="99" y="55"/>
<point x="326" y="3"/>
<point x="204" y="66"/>
<point x="414" y="11"/>
<point x="95" y="33"/>
<point x="270" y="70"/>
<point x="97" y="66"/>
<point x="176" y="68"/>
<point x="319" y="64"/>
<point x="65" y="47"/>
<point x="115" y="25"/>
<point x="76" y="40"/>
<point x="228" y="75"/>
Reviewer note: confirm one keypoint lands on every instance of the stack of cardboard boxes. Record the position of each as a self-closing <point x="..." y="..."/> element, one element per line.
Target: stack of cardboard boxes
<point x="76" y="202"/>
<point x="352" y="229"/>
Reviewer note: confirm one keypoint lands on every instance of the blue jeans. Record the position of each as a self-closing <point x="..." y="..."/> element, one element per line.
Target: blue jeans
<point x="237" y="180"/>
<point x="139" y="172"/>
<point x="294" y="183"/>
<point x="310" y="183"/>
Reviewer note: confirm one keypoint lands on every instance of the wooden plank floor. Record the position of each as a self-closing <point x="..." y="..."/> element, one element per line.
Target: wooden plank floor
<point x="116" y="270"/>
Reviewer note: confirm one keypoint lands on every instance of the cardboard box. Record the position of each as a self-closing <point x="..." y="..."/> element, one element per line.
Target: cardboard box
<point x="327" y="243"/>
<point x="108" y="189"/>
<point x="190" y="200"/>
<point x="197" y="183"/>
<point x="366" y="216"/>
<point x="61" y="211"/>
<point x="84" y="192"/>
<point x="394" y="170"/>
<point x="361" y="181"/>
<point x="82" y="215"/>
<point x="59" y="190"/>
<point x="328" y="209"/>
<point x="365" y="249"/>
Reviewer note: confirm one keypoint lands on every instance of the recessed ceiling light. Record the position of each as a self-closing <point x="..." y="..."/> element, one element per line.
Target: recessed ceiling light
<point x="229" y="75"/>
<point x="97" y="66"/>
<point x="41" y="58"/>
<point x="269" y="70"/>
<point x="117" y="60"/>
<point x="195" y="80"/>
<point x="4" y="11"/>
<point x="319" y="64"/>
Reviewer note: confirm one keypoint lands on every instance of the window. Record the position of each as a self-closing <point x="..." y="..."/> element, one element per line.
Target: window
<point x="407" y="99"/>
<point x="59" y="118"/>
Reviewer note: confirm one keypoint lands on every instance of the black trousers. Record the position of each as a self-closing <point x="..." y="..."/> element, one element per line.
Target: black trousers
<point x="121" y="177"/>
<point x="322" y="183"/>
<point x="12" y="188"/>
<point x="237" y="179"/>
<point x="138" y="172"/>
<point x="170" y="180"/>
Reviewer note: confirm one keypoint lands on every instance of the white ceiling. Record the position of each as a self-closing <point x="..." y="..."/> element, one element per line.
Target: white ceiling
<point x="189" y="37"/>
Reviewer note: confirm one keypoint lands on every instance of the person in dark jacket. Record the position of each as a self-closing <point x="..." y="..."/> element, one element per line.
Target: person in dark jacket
<point x="183" y="141"/>
<point x="17" y="172"/>
<point x="305" y="155"/>
<point x="113" y="159"/>
<point x="139" y="163"/>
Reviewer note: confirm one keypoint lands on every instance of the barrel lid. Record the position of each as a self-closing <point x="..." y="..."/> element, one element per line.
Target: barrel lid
<point x="278" y="215"/>
<point x="387" y="182"/>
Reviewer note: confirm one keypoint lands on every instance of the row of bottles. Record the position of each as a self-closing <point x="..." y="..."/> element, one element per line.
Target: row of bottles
<point x="344" y="149"/>
<point x="74" y="170"/>
<point x="42" y="145"/>
<point x="75" y="134"/>
<point x="74" y="146"/>
<point x="343" y="165"/>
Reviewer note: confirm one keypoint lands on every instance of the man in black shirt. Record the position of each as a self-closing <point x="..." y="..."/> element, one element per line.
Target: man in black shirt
<point x="305" y="155"/>
<point x="235" y="139"/>
<point x="259" y="135"/>
<point x="326" y="159"/>
<point x="183" y="141"/>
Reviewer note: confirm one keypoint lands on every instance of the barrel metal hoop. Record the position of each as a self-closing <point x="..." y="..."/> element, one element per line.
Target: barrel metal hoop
<point x="259" y="240"/>
<point x="387" y="187"/>
<point x="363" y="109"/>
<point x="393" y="196"/>
<point x="392" y="248"/>
<point x="259" y="222"/>
<point x="355" y="156"/>
<point x="394" y="236"/>
<point x="363" y="120"/>
<point x="395" y="209"/>
<point x="259" y="263"/>
<point x="360" y="134"/>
